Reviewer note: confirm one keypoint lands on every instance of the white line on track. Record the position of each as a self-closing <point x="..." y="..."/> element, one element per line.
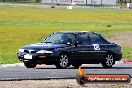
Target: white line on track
<point x="11" y="65"/>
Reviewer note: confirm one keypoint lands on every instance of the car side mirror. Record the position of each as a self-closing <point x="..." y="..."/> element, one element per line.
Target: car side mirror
<point x="77" y="42"/>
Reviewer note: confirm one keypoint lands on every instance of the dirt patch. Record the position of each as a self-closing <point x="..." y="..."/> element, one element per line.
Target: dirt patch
<point x="123" y="38"/>
<point x="62" y="83"/>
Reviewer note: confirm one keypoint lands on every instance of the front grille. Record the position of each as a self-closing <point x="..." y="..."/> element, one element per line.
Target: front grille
<point x="33" y="51"/>
<point x="30" y="51"/>
<point x="26" y="51"/>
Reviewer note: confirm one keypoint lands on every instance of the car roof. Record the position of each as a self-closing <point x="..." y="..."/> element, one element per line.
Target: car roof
<point x="75" y="32"/>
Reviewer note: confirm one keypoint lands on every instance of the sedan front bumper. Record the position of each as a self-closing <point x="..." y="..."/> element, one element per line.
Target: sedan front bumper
<point x="37" y="58"/>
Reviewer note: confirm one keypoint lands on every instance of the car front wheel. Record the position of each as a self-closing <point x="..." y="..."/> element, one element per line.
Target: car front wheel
<point x="63" y="61"/>
<point x="29" y="64"/>
<point x="109" y="60"/>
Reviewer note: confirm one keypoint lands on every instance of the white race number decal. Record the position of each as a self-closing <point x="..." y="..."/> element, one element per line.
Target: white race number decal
<point x="96" y="46"/>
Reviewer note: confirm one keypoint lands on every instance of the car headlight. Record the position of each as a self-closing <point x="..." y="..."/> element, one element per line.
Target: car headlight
<point x="21" y="50"/>
<point x="44" y="51"/>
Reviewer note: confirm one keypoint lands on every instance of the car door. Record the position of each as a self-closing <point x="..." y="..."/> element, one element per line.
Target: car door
<point x="100" y="46"/>
<point x="82" y="51"/>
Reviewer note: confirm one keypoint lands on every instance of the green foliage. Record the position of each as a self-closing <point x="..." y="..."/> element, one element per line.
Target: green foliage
<point x="127" y="52"/>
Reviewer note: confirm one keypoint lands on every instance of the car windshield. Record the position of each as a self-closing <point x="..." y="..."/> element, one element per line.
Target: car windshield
<point x="61" y="38"/>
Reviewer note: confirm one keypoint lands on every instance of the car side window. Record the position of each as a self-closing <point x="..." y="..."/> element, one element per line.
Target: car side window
<point x="83" y="39"/>
<point x="96" y="39"/>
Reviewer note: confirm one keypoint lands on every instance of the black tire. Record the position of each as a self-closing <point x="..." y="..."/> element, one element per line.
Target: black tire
<point x="76" y="65"/>
<point x="62" y="61"/>
<point x="29" y="64"/>
<point x="109" y="61"/>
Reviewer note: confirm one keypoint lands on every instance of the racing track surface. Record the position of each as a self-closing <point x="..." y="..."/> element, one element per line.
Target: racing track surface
<point x="50" y="71"/>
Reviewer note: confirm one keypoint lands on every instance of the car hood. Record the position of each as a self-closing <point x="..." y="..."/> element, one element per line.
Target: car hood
<point x="44" y="46"/>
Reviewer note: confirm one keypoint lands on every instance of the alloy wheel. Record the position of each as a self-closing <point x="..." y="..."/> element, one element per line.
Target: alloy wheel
<point x="110" y="60"/>
<point x="63" y="60"/>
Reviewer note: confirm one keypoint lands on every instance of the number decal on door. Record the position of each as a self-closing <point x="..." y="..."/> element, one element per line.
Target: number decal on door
<point x="96" y="46"/>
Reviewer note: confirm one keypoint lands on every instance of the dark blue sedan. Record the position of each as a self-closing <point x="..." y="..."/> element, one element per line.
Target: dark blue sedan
<point x="63" y="49"/>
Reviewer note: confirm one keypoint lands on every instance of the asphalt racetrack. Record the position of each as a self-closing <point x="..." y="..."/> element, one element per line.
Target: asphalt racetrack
<point x="41" y="72"/>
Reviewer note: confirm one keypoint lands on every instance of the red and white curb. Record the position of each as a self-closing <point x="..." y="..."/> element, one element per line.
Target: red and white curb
<point x="124" y="62"/>
<point x="39" y="65"/>
<point x="127" y="61"/>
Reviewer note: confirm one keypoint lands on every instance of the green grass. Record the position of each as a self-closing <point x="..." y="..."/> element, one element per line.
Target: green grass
<point x="127" y="54"/>
<point x="26" y="25"/>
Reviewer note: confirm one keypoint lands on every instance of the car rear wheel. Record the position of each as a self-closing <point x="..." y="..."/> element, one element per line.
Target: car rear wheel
<point x="63" y="61"/>
<point x="109" y="60"/>
<point x="29" y="64"/>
